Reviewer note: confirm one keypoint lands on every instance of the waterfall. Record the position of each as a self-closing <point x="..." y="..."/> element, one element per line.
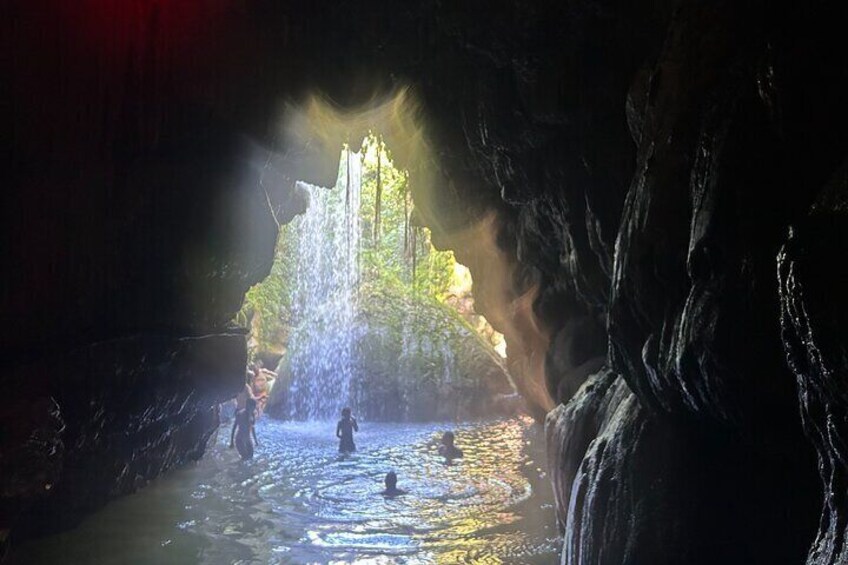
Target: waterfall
<point x="326" y="246"/>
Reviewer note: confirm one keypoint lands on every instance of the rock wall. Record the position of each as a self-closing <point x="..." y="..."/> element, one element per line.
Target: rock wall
<point x="140" y="204"/>
<point x="121" y="412"/>
<point x="620" y="178"/>
<point x="643" y="209"/>
<point x="814" y="314"/>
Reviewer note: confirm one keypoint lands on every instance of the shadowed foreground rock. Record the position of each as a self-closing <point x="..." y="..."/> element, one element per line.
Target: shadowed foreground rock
<point x="148" y="407"/>
<point x="619" y="470"/>
<point x="814" y="301"/>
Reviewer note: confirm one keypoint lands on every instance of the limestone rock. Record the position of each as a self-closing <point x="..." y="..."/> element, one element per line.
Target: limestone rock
<point x="414" y="360"/>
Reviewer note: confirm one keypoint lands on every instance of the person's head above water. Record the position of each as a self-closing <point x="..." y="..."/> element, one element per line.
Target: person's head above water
<point x="391" y="480"/>
<point x="447" y="439"/>
<point x="345" y="412"/>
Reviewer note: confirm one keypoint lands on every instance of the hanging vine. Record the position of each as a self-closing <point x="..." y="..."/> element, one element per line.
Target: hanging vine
<point x="378" y="199"/>
<point x="391" y="259"/>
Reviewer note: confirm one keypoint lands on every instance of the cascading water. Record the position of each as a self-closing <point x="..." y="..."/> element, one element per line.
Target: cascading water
<point x="326" y="249"/>
<point x="361" y="326"/>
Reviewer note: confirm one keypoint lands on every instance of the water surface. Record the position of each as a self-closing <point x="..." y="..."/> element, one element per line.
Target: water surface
<point x="299" y="501"/>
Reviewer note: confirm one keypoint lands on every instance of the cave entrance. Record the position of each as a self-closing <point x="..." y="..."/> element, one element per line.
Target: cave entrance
<point x="361" y="310"/>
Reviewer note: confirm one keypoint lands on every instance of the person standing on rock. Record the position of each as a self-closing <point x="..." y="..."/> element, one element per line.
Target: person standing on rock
<point x="344" y="431"/>
<point x="259" y="390"/>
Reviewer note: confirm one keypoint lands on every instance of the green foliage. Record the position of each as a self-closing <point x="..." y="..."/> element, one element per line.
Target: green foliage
<point x="399" y="253"/>
<point x="397" y="257"/>
<point x="416" y="359"/>
<point x="266" y="305"/>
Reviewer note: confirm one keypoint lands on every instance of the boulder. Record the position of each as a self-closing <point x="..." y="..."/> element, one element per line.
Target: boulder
<point x="412" y="359"/>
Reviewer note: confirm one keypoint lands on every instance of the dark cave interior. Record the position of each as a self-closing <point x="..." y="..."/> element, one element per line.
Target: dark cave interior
<point x="652" y="198"/>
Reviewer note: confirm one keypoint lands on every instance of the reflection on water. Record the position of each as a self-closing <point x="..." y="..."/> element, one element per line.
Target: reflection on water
<point x="298" y="501"/>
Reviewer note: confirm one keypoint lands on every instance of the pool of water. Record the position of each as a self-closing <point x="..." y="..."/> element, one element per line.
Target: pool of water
<point x="299" y="501"/>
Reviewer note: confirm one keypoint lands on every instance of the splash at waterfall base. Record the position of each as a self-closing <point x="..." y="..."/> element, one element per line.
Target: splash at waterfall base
<point x="412" y="360"/>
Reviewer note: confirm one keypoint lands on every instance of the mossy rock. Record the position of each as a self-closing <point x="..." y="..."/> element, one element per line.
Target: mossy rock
<point x="413" y="359"/>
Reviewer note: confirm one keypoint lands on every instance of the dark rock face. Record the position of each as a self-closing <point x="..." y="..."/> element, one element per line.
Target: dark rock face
<point x="142" y="202"/>
<point x="685" y="281"/>
<point x="815" y="312"/>
<point x="619" y="178"/>
<point x="148" y="407"/>
<point x="620" y="470"/>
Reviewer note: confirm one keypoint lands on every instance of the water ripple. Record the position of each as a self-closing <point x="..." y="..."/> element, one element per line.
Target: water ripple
<point x="298" y="501"/>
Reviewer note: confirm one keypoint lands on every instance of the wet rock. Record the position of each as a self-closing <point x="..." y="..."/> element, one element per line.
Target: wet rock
<point x="123" y="412"/>
<point x="620" y="470"/>
<point x="577" y="351"/>
<point x="31" y="457"/>
<point x="692" y="317"/>
<point x="815" y="334"/>
<point x="32" y="451"/>
<point x="414" y="359"/>
<point x="571" y="427"/>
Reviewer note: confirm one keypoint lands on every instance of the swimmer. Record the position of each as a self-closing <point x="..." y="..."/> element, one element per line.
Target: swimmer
<point x="448" y="450"/>
<point x="391" y="486"/>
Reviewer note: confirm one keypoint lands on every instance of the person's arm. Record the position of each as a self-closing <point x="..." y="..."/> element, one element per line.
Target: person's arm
<point x="339" y="429"/>
<point x="233" y="432"/>
<point x="355" y="427"/>
<point x="253" y="433"/>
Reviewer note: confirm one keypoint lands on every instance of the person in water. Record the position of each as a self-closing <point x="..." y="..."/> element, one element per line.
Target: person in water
<point x="391" y="486"/>
<point x="344" y="431"/>
<point x="448" y="450"/>
<point x="243" y="434"/>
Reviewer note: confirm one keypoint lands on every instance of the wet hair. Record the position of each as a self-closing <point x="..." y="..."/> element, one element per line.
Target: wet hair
<point x="448" y="437"/>
<point x="391" y="480"/>
<point x="345" y="411"/>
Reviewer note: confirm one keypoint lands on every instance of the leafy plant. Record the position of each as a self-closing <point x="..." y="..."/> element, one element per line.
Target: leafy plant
<point x="394" y="254"/>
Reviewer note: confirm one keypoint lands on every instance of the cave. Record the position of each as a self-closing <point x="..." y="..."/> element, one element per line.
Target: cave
<point x="650" y="197"/>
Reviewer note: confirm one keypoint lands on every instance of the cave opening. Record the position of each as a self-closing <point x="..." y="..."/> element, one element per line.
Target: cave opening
<point x="360" y="310"/>
<point x="360" y="302"/>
